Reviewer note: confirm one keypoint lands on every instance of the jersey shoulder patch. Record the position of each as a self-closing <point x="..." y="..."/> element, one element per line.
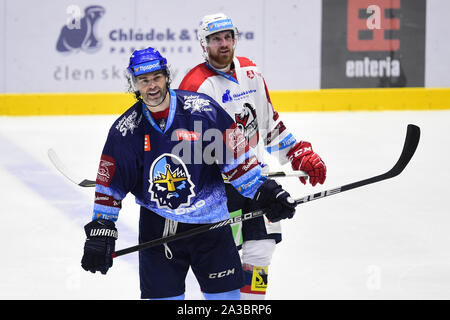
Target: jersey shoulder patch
<point x="128" y="121"/>
<point x="195" y="77"/>
<point x="246" y="62"/>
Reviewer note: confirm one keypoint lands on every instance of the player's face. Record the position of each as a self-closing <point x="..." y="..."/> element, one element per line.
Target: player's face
<point x="221" y="49"/>
<point x="153" y="87"/>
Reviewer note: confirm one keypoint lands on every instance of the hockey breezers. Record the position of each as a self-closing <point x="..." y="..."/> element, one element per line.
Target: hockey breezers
<point x="409" y="147"/>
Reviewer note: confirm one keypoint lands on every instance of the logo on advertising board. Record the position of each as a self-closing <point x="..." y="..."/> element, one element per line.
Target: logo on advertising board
<point x="79" y="33"/>
<point x="373" y="43"/>
<point x="107" y="32"/>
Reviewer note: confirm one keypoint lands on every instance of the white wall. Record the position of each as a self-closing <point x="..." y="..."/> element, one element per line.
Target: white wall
<point x="292" y="41"/>
<point x="2" y="45"/>
<point x="437" y="56"/>
<point x="282" y="37"/>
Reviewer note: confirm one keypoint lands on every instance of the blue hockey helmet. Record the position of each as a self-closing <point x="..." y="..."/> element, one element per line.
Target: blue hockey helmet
<point x="145" y="61"/>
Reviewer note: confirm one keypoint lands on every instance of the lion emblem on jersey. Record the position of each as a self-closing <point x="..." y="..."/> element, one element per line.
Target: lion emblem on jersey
<point x="246" y="121"/>
<point x="170" y="182"/>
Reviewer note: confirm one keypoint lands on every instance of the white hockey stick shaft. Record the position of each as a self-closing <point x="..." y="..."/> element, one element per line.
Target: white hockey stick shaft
<point x="91" y="183"/>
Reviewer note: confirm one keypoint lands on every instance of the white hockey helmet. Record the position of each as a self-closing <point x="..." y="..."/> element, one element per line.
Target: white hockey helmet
<point x="214" y="23"/>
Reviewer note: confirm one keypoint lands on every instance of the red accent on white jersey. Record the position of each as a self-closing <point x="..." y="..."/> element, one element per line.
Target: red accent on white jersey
<point x="263" y="129"/>
<point x="246" y="62"/>
<point x="194" y="79"/>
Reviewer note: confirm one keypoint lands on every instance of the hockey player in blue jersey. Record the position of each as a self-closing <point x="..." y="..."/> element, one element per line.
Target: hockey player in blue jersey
<point x="170" y="150"/>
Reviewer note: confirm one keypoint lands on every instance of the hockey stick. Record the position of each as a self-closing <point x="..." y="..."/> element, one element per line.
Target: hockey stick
<point x="409" y="147"/>
<point x="66" y="172"/>
<point x="91" y="183"/>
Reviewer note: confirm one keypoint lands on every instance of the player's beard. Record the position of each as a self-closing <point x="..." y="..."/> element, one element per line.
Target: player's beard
<point x="157" y="99"/>
<point x="219" y="59"/>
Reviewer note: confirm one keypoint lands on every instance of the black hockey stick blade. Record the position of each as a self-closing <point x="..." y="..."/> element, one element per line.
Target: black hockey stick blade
<point x="87" y="183"/>
<point x="409" y="148"/>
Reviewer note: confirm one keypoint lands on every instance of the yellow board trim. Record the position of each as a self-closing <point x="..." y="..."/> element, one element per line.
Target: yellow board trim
<point x="29" y="104"/>
<point x="380" y="99"/>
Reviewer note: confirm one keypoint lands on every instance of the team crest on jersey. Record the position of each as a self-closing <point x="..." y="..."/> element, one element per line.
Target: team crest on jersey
<point x="246" y="121"/>
<point x="170" y="183"/>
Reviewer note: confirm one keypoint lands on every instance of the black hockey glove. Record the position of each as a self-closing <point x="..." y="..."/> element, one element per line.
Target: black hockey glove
<point x="100" y="244"/>
<point x="272" y="196"/>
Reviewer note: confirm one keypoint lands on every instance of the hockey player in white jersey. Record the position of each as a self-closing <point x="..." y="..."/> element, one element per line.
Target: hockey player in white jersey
<point x="238" y="85"/>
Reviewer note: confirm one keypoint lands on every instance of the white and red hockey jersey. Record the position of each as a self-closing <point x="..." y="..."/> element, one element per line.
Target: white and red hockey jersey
<point x="244" y="95"/>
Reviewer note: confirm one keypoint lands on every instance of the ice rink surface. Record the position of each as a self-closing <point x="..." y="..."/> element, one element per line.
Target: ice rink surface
<point x="389" y="240"/>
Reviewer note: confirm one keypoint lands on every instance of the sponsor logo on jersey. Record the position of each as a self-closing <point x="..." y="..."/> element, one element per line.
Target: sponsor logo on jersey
<point x="106" y="216"/>
<point x="188" y="135"/>
<point x="227" y="96"/>
<point x="248" y="184"/>
<point x="106" y="170"/>
<point x="243" y="94"/>
<point x="170" y="183"/>
<point x="279" y="128"/>
<point x="242" y="169"/>
<point x="286" y="142"/>
<point x="107" y="200"/>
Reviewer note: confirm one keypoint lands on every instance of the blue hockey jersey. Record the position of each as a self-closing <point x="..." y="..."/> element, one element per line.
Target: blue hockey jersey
<point x="176" y="171"/>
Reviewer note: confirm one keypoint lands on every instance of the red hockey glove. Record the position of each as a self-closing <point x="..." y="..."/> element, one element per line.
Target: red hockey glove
<point x="303" y="158"/>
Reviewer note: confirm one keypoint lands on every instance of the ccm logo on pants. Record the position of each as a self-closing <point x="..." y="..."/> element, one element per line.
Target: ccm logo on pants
<point x="221" y="274"/>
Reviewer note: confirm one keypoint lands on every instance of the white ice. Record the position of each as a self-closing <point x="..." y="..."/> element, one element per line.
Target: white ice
<point x="389" y="240"/>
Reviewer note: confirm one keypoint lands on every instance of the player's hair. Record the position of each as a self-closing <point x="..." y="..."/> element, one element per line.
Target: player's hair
<point x="131" y="83"/>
